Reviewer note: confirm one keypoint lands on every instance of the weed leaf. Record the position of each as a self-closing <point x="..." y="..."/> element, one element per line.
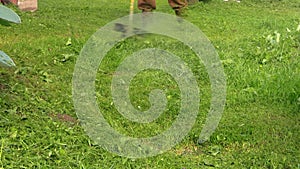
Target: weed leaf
<point x="9" y="15"/>
<point x="5" y="60"/>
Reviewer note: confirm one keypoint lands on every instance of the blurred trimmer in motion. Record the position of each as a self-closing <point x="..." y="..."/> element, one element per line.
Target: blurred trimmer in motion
<point x="126" y="28"/>
<point x="131" y="11"/>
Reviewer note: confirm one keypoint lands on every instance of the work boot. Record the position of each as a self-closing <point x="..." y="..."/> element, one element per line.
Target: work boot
<point x="147" y="10"/>
<point x="181" y="12"/>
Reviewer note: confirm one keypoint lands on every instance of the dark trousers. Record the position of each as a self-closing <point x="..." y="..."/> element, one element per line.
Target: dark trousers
<point x="149" y="5"/>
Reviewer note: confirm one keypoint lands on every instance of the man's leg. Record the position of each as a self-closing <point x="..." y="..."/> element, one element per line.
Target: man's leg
<point x="146" y="5"/>
<point x="178" y="5"/>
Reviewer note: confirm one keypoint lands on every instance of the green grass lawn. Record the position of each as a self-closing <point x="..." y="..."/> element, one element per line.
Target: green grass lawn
<point x="257" y="41"/>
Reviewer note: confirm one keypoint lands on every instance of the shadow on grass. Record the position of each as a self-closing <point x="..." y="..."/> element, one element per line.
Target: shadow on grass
<point x="192" y="2"/>
<point x="5" y="79"/>
<point x="4" y="22"/>
<point x="205" y="1"/>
